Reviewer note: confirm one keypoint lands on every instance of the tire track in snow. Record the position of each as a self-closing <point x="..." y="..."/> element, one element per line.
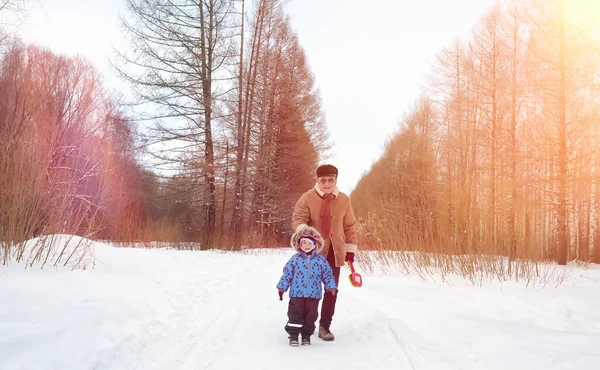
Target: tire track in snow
<point x="401" y="345"/>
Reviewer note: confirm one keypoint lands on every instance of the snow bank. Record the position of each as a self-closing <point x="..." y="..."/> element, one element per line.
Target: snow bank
<point x="58" y="250"/>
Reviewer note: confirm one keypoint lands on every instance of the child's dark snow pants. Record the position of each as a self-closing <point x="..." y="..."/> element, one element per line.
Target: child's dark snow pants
<point x="302" y="315"/>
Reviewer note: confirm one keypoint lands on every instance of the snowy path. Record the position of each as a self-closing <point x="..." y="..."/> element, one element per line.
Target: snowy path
<point x="159" y="309"/>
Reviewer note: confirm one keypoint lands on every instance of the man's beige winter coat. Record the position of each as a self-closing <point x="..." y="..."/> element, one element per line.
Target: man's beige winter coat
<point x="343" y="224"/>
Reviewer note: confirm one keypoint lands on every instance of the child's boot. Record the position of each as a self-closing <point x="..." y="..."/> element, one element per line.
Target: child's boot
<point x="306" y="340"/>
<point x="294" y="340"/>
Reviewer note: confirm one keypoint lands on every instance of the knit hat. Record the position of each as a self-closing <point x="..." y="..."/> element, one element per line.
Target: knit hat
<point x="307" y="232"/>
<point x="327" y="170"/>
<point x="308" y="239"/>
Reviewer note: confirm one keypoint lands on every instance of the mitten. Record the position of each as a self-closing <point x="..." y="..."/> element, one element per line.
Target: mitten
<point x="333" y="292"/>
<point x="350" y="257"/>
<point x="280" y="291"/>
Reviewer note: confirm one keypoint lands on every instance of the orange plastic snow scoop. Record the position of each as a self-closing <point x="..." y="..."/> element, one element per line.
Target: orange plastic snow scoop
<point x="355" y="278"/>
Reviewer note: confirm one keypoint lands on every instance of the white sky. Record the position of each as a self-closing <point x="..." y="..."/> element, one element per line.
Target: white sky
<point x="369" y="57"/>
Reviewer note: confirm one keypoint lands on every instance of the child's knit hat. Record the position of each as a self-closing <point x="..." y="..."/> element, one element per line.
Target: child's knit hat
<point x="307" y="239"/>
<point x="310" y="233"/>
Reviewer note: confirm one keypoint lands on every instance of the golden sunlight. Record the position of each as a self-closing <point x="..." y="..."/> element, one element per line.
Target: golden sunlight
<point x="583" y="13"/>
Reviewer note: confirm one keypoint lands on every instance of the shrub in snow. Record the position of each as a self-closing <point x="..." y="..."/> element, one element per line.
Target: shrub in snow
<point x="60" y="250"/>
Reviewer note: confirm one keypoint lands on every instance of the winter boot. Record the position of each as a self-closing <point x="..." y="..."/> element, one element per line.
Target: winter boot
<point x="325" y="334"/>
<point x="294" y="340"/>
<point x="306" y="341"/>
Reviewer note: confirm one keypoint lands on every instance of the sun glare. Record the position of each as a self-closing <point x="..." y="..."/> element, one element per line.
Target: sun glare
<point x="584" y="13"/>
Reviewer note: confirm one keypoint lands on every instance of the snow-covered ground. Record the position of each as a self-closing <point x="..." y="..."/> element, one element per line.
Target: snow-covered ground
<point x="165" y="309"/>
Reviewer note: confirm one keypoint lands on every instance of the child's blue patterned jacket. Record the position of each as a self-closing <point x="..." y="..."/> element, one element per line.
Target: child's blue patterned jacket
<point x="304" y="273"/>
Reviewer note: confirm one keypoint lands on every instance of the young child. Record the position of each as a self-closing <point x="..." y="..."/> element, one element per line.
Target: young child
<point x="303" y="275"/>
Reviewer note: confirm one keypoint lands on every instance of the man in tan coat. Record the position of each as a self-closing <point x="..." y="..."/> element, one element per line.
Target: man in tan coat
<point x="328" y="210"/>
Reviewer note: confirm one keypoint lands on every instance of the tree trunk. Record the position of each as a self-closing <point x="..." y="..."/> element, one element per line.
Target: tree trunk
<point x="237" y="209"/>
<point x="226" y="177"/>
<point x="563" y="241"/>
<point x="206" y="45"/>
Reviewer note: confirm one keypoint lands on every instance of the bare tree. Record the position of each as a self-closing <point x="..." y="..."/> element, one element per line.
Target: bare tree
<point x="280" y="108"/>
<point x="11" y="17"/>
<point x="516" y="155"/>
<point x="287" y="107"/>
<point x="565" y="49"/>
<point x="60" y="146"/>
<point x="448" y="86"/>
<point x="247" y="89"/>
<point x="489" y="48"/>
<point x="514" y="29"/>
<point x="179" y="66"/>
